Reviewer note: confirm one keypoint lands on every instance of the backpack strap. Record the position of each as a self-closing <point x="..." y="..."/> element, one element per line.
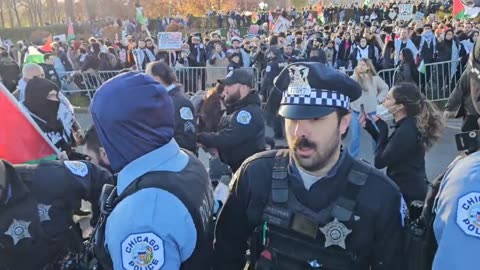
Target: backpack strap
<point x="346" y="203"/>
<point x="279" y="178"/>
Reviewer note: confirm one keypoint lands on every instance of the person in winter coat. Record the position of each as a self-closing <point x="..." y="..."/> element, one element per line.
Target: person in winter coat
<point x="216" y="65"/>
<point x="406" y="70"/>
<point x="374" y="90"/>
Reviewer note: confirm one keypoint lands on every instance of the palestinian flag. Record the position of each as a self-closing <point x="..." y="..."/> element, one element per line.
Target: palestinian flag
<point x="270" y="20"/>
<point x="70" y="33"/>
<point x="254" y="17"/>
<point x="33" y="55"/>
<point x="461" y="11"/>
<point x="141" y="19"/>
<point x="47" y="47"/>
<point x="21" y="140"/>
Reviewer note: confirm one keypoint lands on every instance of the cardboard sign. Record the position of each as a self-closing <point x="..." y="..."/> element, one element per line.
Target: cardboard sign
<point x="281" y="25"/>
<point x="419" y="16"/>
<point x="170" y="41"/>
<point x="62" y="37"/>
<point x="405" y="12"/>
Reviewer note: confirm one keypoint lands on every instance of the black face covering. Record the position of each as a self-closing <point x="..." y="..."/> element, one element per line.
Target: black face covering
<point x="36" y="93"/>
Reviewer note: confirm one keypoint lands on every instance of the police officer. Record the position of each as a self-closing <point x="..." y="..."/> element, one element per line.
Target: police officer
<point x="275" y="65"/>
<point x="312" y="206"/>
<point x="456" y="223"/>
<point x="185" y="127"/>
<point x="242" y="130"/>
<point x="162" y="217"/>
<point x="37" y="203"/>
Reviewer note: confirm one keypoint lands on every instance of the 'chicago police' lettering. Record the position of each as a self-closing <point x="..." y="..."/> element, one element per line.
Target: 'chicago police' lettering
<point x="139" y="239"/>
<point x="471" y="201"/>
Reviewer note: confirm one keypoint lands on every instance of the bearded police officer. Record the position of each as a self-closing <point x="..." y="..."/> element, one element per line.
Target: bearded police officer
<point x="242" y="130"/>
<point x="37" y="203"/>
<point x="162" y="218"/>
<point x="457" y="206"/>
<point x="313" y="206"/>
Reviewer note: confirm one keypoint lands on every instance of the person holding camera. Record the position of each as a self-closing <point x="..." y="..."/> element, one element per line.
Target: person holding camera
<point x="418" y="125"/>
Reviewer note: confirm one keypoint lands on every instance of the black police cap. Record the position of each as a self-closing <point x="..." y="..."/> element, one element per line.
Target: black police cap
<point x="312" y="90"/>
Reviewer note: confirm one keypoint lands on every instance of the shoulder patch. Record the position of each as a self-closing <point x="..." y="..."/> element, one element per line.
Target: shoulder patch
<point x="244" y="117"/>
<point x="268" y="69"/>
<point x="77" y="167"/>
<point x="468" y="214"/>
<point x="186" y="113"/>
<point x="143" y="251"/>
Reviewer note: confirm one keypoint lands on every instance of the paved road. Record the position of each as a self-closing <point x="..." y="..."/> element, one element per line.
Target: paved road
<point x="437" y="158"/>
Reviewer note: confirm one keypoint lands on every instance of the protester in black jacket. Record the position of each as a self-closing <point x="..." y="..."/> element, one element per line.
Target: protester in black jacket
<point x="418" y="126"/>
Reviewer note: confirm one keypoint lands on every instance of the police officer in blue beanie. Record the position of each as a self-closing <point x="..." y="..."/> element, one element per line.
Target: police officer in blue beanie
<point x="163" y="216"/>
<point x="242" y="130"/>
<point x="37" y="204"/>
<point x="456" y="206"/>
<point x="312" y="206"/>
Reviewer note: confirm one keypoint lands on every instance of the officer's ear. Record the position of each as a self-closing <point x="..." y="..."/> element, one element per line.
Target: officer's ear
<point x="344" y="122"/>
<point x="103" y="156"/>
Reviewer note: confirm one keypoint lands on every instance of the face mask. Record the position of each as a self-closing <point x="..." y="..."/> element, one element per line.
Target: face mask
<point x="394" y="109"/>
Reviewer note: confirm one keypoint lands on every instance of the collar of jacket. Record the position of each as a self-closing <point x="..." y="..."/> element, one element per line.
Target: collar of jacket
<point x="251" y="98"/>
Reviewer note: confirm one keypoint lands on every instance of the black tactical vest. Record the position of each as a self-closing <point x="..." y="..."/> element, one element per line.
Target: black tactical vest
<point x="23" y="243"/>
<point x="291" y="234"/>
<point x="191" y="186"/>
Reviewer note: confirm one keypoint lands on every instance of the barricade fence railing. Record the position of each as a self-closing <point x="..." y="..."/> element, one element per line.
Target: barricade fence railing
<point x="436" y="80"/>
<point x="192" y="79"/>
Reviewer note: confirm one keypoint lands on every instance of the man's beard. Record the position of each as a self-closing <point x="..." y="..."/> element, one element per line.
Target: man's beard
<point x="233" y="98"/>
<point x="318" y="160"/>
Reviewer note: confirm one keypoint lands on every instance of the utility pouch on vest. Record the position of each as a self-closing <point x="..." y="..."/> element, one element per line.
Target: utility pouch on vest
<point x="290" y="236"/>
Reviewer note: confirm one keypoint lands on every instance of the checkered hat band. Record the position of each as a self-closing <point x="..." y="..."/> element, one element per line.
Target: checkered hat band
<point x="326" y="98"/>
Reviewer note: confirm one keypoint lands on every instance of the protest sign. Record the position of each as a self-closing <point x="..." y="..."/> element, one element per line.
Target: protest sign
<point x="170" y="41"/>
<point x="405" y="12"/>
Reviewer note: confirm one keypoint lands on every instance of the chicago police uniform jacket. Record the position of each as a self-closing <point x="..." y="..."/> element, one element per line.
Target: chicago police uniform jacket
<point x="457" y="222"/>
<point x="271" y="71"/>
<point x="185" y="127"/>
<point x="241" y="132"/>
<point x="376" y="236"/>
<point x="35" y="221"/>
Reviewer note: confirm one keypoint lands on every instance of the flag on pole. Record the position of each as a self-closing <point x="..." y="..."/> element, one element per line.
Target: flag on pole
<point x="70" y="32"/>
<point x="254" y="17"/>
<point x="21" y="140"/>
<point x="33" y="55"/>
<point x="270" y="20"/>
<point x="141" y="19"/>
<point x="47" y="46"/>
<point x="320" y="13"/>
<point x="461" y="11"/>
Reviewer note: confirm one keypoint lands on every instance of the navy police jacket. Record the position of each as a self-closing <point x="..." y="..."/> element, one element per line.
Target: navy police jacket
<point x="37" y="215"/>
<point x="241" y="133"/>
<point x="376" y="235"/>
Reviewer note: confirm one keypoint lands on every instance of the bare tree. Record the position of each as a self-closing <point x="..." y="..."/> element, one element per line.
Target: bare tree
<point x="69" y="11"/>
<point x="2" y="18"/>
<point x="15" y="9"/>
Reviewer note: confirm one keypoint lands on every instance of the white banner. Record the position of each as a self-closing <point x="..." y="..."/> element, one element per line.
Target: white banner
<point x="405" y="12"/>
<point x="281" y="25"/>
<point x="170" y="41"/>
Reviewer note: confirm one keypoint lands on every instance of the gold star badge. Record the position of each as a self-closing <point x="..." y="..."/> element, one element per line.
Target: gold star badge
<point x="335" y="234"/>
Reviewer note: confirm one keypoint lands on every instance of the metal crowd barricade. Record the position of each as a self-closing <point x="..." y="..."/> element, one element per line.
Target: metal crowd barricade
<point x="387" y="75"/>
<point x="194" y="79"/>
<point x="87" y="82"/>
<point x="438" y="80"/>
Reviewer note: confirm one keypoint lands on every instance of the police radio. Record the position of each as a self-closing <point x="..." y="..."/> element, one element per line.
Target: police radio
<point x="468" y="141"/>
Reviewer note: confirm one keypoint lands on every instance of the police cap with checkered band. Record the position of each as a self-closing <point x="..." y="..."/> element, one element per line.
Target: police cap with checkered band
<point x="312" y="90"/>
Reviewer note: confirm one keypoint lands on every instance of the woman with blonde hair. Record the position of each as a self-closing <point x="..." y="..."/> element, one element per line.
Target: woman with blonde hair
<point x="418" y="125"/>
<point x="374" y="90"/>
